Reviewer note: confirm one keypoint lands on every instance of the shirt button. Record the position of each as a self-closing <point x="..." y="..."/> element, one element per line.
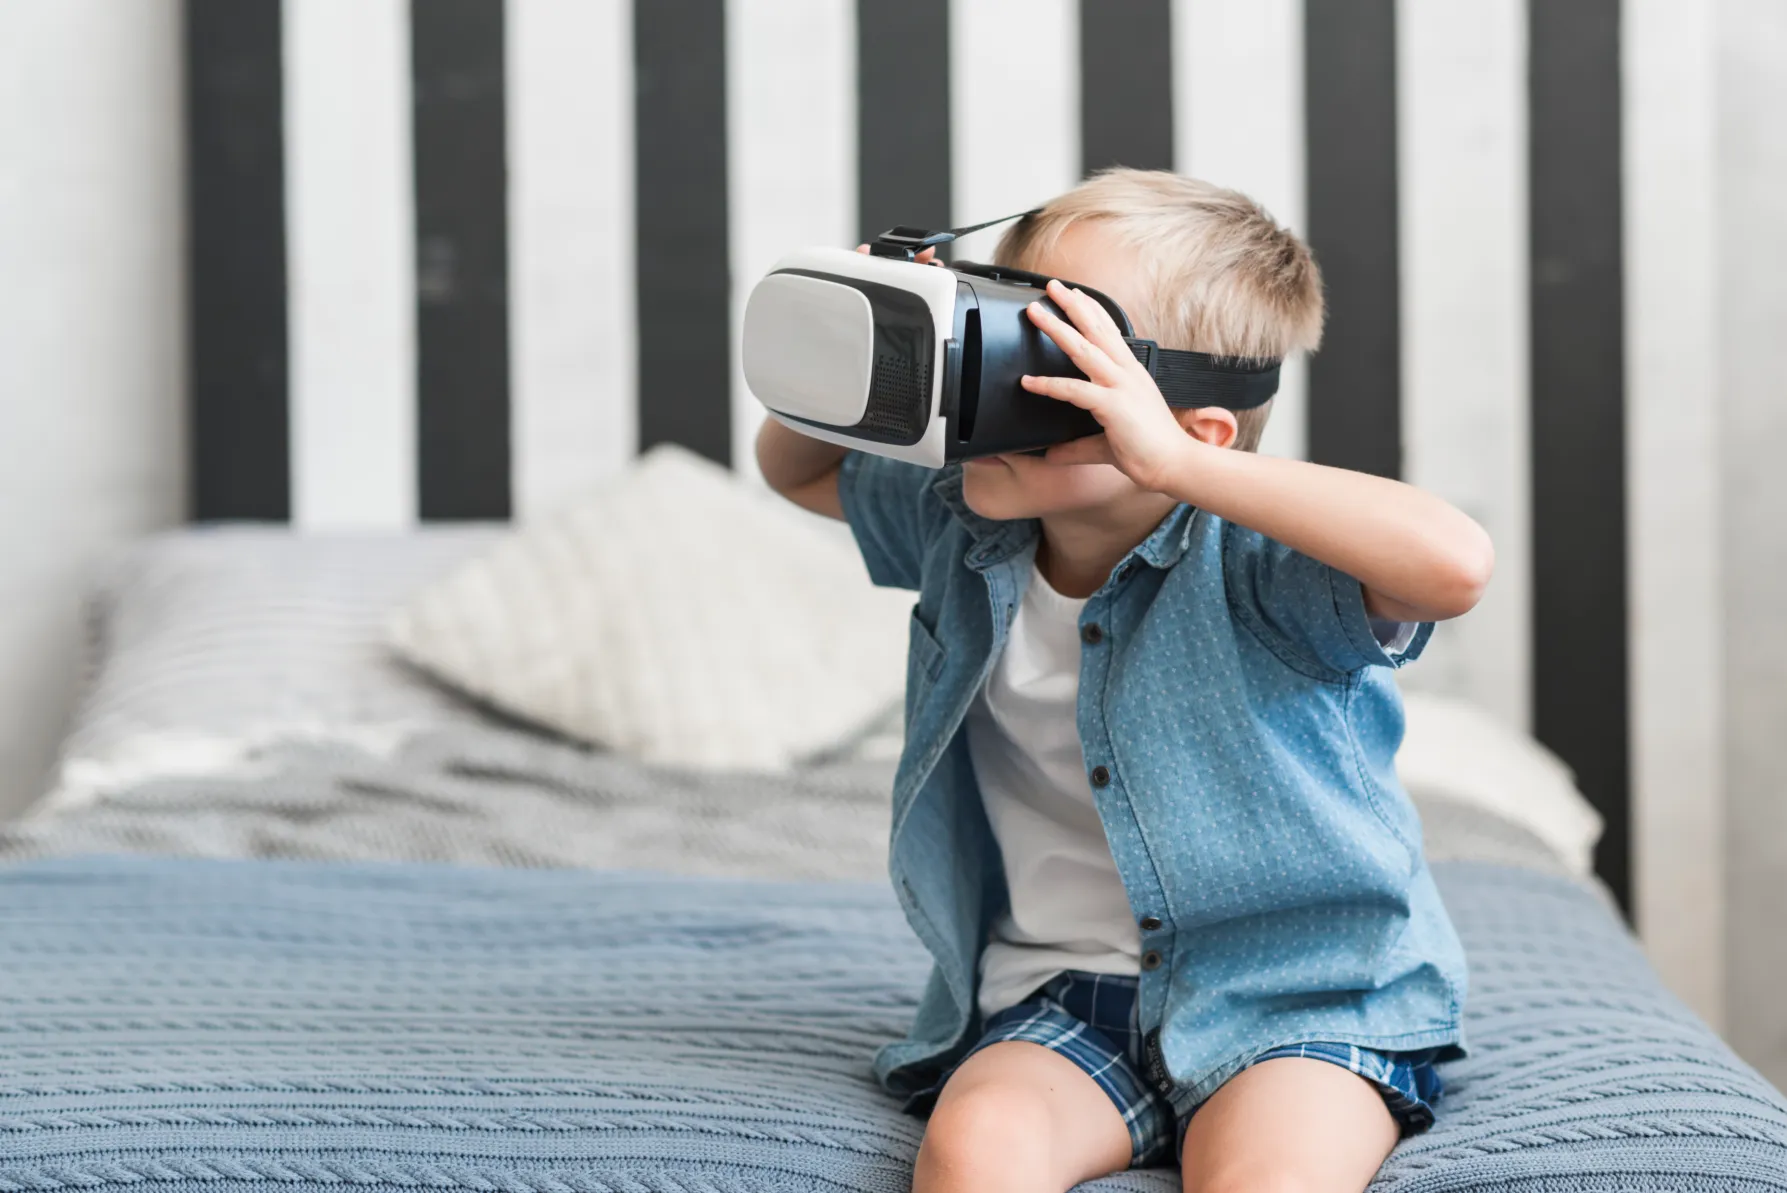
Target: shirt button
<point x="1100" y="776"/>
<point x="1150" y="923"/>
<point x="1150" y="960"/>
<point x="1091" y="634"/>
<point x="1126" y="571"/>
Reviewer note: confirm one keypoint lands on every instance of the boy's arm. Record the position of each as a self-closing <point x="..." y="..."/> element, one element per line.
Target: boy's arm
<point x="888" y="504"/>
<point x="1417" y="558"/>
<point x="802" y="469"/>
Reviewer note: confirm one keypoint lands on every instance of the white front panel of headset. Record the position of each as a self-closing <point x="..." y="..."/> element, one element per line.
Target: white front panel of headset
<point x="809" y="347"/>
<point x="934" y="284"/>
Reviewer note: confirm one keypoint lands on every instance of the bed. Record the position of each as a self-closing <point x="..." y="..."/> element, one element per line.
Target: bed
<point x="235" y="1024"/>
<point x="294" y="915"/>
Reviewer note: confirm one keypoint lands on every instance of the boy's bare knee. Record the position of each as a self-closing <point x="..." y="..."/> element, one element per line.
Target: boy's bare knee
<point x="1017" y="1116"/>
<point x="990" y="1135"/>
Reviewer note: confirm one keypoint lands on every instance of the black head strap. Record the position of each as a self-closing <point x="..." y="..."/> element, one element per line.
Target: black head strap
<point x="1188" y="380"/>
<point x="907" y="243"/>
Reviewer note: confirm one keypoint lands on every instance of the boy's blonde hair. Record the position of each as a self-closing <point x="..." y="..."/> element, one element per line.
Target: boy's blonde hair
<point x="1223" y="276"/>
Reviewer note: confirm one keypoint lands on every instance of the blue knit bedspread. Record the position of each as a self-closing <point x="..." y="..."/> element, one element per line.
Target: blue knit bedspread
<point x="280" y="1026"/>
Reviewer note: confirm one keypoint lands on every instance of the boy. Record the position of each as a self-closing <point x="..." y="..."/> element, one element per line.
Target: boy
<point x="1146" y="819"/>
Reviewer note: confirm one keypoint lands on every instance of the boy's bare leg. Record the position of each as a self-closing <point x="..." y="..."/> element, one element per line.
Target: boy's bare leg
<point x="1019" y="1117"/>
<point x="1290" y="1125"/>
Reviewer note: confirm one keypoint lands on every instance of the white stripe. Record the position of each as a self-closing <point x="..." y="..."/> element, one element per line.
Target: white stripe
<point x="1238" y="122"/>
<point x="1752" y="354"/>
<point x="1461" y="114"/>
<point x="1014" y="76"/>
<point x="350" y="252"/>
<point x="572" y="301"/>
<point x="1672" y="358"/>
<point x="790" y="153"/>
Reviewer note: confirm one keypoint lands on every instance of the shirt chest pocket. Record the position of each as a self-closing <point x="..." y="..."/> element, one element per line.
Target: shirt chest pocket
<point x="925" y="657"/>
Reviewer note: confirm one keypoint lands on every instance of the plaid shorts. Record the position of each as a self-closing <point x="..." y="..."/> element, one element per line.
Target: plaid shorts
<point x="1091" y="1020"/>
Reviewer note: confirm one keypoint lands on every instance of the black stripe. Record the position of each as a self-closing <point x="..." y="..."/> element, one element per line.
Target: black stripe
<point x="1126" y="84"/>
<point x="685" y="354"/>
<point x="240" y="432"/>
<point x="1578" y="425"/>
<point x="1355" y="381"/>
<point x="462" y="260"/>
<point x="902" y="79"/>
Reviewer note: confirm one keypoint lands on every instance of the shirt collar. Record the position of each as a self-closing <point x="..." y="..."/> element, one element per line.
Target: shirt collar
<point x="995" y="540"/>
<point x="1167" y="542"/>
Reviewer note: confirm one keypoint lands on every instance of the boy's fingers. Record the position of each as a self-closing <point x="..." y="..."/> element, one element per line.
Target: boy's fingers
<point x="1083" y="394"/>
<point x="1067" y="337"/>
<point x="1105" y="331"/>
<point x="1091" y="359"/>
<point x="1091" y="318"/>
<point x="1076" y="305"/>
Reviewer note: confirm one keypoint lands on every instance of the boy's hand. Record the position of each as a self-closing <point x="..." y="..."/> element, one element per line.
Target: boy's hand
<point x="1141" y="435"/>
<point x="1417" y="558"/>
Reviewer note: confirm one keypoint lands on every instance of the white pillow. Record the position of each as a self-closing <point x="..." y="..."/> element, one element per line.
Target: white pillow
<point x="207" y="644"/>
<point x="1453" y="750"/>
<point x="681" y="616"/>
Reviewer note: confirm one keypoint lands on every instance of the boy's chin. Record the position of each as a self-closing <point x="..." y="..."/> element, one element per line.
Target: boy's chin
<point x="993" y="489"/>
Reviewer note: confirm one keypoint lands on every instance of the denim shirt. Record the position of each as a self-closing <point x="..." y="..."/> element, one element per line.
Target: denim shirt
<point x="1239" y="726"/>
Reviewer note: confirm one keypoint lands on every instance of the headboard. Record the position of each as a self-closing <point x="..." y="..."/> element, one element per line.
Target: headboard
<point x="454" y="259"/>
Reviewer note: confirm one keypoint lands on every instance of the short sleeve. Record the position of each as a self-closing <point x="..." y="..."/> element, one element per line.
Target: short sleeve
<point x="891" y="510"/>
<point x="1311" y="611"/>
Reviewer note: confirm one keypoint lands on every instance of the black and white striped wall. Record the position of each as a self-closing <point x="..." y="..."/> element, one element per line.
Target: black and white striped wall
<point x="461" y="259"/>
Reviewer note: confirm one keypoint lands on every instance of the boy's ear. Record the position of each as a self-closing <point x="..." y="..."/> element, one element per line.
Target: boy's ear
<point x="1214" y="425"/>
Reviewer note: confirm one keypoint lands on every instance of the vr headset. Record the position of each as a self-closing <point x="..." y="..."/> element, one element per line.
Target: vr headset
<point x="923" y="363"/>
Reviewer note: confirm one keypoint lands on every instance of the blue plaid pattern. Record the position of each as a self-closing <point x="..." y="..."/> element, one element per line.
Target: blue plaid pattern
<point x="1091" y="1020"/>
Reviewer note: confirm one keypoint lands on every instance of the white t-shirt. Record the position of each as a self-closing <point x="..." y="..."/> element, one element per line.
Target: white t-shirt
<point x="1068" y="908"/>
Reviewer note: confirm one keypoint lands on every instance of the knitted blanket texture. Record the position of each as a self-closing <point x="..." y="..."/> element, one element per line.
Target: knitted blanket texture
<point x="183" y="1024"/>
